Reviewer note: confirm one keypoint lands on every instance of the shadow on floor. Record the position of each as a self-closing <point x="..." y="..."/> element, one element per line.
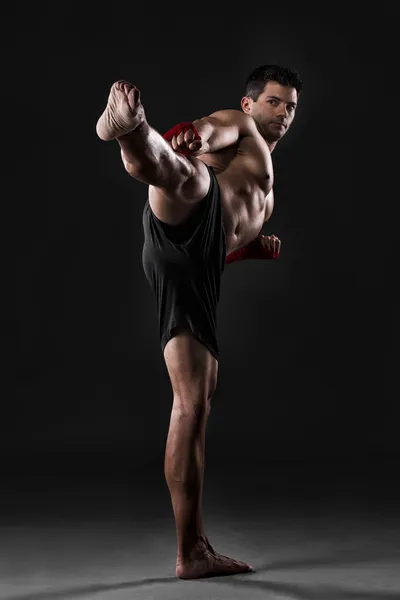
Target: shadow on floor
<point x="297" y="592"/>
<point x="306" y="592"/>
<point x="345" y="557"/>
<point x="66" y="593"/>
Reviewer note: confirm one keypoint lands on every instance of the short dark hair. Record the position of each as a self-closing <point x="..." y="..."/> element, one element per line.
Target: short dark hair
<point x="257" y="79"/>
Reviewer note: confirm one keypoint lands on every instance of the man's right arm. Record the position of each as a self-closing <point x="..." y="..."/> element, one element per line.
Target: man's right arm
<point x="223" y="128"/>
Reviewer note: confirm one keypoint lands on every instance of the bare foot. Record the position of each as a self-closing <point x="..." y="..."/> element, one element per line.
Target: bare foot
<point x="205" y="562"/>
<point x="124" y="112"/>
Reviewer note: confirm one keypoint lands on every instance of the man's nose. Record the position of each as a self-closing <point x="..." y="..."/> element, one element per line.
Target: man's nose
<point x="282" y="111"/>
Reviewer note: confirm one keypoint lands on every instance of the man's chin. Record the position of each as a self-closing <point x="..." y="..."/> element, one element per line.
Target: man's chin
<point x="273" y="137"/>
<point x="273" y="134"/>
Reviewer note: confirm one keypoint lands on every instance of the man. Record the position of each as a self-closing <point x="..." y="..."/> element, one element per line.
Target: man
<point x="210" y="191"/>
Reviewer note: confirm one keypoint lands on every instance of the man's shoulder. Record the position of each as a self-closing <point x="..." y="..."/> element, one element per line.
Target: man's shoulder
<point x="231" y="115"/>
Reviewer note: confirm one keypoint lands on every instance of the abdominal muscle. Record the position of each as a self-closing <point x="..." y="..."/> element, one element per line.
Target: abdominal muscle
<point x="243" y="201"/>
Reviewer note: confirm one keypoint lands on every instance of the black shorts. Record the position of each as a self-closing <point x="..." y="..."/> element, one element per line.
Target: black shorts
<point x="183" y="265"/>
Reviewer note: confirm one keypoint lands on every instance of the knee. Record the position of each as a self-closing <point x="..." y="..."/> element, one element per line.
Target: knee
<point x="191" y="408"/>
<point x="195" y="398"/>
<point x="209" y="386"/>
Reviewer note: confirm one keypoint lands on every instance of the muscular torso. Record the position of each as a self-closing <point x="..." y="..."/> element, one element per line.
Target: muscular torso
<point x="247" y="200"/>
<point x="245" y="175"/>
<point x="220" y="160"/>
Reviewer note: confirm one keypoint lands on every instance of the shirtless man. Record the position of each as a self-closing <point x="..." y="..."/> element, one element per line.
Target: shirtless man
<point x="210" y="191"/>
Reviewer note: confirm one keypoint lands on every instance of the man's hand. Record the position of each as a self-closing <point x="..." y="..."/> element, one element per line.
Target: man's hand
<point x="186" y="142"/>
<point x="271" y="244"/>
<point x="184" y="138"/>
<point x="262" y="247"/>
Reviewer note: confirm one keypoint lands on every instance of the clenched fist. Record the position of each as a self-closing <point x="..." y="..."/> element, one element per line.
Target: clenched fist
<point x="186" y="141"/>
<point x="263" y="246"/>
<point x="184" y="138"/>
<point x="272" y="244"/>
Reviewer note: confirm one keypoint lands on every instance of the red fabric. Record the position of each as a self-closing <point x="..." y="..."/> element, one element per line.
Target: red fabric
<point x="252" y="250"/>
<point x="176" y="129"/>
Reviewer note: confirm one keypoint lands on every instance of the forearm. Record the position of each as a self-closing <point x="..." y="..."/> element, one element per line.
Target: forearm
<point x="214" y="135"/>
<point x="222" y="129"/>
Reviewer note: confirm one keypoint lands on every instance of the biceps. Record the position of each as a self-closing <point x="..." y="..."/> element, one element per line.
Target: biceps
<point x="224" y="133"/>
<point x="234" y="123"/>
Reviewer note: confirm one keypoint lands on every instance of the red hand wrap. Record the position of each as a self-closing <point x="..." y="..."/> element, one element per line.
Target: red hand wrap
<point x="176" y="131"/>
<point x="252" y="250"/>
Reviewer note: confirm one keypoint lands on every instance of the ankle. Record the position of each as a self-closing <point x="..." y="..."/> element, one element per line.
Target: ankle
<point x="191" y="548"/>
<point x="140" y="133"/>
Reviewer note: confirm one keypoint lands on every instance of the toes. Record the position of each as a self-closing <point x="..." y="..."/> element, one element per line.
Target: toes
<point x="131" y="92"/>
<point x="128" y="88"/>
<point x="133" y="97"/>
<point x="119" y="86"/>
<point x="244" y="567"/>
<point x="123" y="86"/>
<point x="121" y="83"/>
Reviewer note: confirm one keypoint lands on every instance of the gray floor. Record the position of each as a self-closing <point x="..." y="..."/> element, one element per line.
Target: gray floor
<point x="310" y="533"/>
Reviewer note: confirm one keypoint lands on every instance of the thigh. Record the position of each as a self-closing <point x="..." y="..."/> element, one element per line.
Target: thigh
<point x="192" y="368"/>
<point x="174" y="205"/>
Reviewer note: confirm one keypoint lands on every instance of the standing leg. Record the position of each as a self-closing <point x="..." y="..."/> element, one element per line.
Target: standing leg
<point x="193" y="374"/>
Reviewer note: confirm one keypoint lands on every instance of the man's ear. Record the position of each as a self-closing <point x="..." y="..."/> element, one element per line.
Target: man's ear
<point x="246" y="103"/>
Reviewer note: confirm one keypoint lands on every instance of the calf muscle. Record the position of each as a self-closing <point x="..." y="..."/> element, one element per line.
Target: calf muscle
<point x="149" y="158"/>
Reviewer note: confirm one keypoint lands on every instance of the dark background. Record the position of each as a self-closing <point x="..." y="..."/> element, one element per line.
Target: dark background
<point x="308" y="366"/>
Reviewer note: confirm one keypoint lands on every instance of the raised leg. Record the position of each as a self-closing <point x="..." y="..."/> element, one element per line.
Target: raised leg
<point x="145" y="154"/>
<point x="193" y="374"/>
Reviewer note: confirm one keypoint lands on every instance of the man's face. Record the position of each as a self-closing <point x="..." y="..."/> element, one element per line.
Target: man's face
<point x="274" y="109"/>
